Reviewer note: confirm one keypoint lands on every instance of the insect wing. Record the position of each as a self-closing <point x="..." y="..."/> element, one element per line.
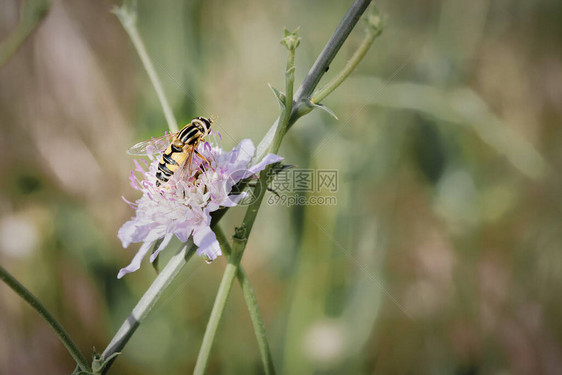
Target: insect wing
<point x="152" y="145"/>
<point x="184" y="171"/>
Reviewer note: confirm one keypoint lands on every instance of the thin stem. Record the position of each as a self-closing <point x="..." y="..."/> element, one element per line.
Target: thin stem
<point x="257" y="321"/>
<point x="32" y="13"/>
<point x="242" y="233"/>
<point x="373" y="31"/>
<point x="230" y="272"/>
<point x="128" y="16"/>
<point x="147" y="302"/>
<point x="302" y="104"/>
<point x="292" y="41"/>
<point x="64" y="337"/>
<point x="214" y="320"/>
<point x="252" y="304"/>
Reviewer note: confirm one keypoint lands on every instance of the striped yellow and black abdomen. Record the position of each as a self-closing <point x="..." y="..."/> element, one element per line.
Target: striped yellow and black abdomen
<point x="170" y="161"/>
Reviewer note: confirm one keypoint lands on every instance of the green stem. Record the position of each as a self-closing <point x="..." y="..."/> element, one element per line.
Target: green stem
<point x="289" y="87"/>
<point x="242" y="233"/>
<point x="128" y="16"/>
<point x="32" y="13"/>
<point x="147" y="302"/>
<point x="230" y="272"/>
<point x="257" y="321"/>
<point x="252" y="304"/>
<point x="372" y="34"/>
<point x="64" y="337"/>
<point x="214" y="320"/>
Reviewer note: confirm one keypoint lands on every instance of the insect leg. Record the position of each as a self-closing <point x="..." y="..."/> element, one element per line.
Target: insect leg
<point x="204" y="159"/>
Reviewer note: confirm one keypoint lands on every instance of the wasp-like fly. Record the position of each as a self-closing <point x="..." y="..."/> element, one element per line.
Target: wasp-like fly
<point x="178" y="148"/>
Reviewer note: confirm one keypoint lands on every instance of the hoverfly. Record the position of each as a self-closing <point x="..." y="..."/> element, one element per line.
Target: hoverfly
<point x="178" y="148"/>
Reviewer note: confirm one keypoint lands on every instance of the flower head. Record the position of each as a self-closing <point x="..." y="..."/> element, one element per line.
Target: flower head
<point x="183" y="205"/>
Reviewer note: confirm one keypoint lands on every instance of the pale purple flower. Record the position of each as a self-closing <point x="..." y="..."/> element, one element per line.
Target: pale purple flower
<point x="183" y="205"/>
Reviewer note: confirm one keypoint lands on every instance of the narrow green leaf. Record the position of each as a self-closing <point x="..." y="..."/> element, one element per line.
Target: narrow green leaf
<point x="279" y="95"/>
<point x="99" y="362"/>
<point x="326" y="109"/>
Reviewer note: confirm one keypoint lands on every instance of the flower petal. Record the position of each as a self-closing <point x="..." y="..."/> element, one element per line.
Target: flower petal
<point x="233" y="200"/>
<point x="162" y="246"/>
<point x="267" y="159"/>
<point x="133" y="231"/>
<point x="183" y="227"/>
<point x="241" y="155"/>
<point x="207" y="242"/>
<point x="136" y="262"/>
<point x="183" y="232"/>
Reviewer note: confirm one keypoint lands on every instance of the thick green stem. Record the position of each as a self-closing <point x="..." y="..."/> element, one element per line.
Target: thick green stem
<point x="252" y="304"/>
<point x="128" y="17"/>
<point x="32" y="13"/>
<point x="64" y="337"/>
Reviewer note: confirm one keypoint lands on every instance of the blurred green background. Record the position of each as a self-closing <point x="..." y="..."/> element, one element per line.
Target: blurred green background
<point x="442" y="255"/>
